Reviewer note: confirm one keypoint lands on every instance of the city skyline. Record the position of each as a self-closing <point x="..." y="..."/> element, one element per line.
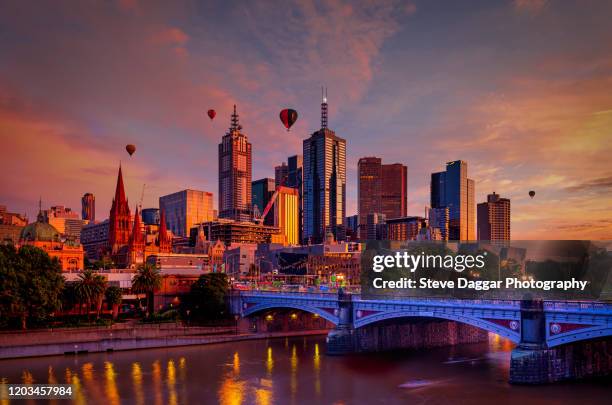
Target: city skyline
<point x="525" y="102"/>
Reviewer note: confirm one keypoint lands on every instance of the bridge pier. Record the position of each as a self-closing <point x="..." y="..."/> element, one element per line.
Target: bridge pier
<point x="341" y="339"/>
<point x="533" y="362"/>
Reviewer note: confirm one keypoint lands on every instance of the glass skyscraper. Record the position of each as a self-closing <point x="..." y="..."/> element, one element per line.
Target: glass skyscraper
<point x="184" y="209"/>
<point x="324" y="183"/>
<point x="453" y="189"/>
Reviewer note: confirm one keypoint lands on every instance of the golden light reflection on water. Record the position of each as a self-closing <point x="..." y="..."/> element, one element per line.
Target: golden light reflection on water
<point x="157" y="382"/>
<point x="112" y="394"/>
<point x="294" y="365"/>
<point x="171" y="382"/>
<point x="137" y="382"/>
<point x="77" y="390"/>
<point x="316" y="364"/>
<point x="88" y="372"/>
<point x="263" y="396"/>
<point x="236" y="363"/>
<point x="4" y="390"/>
<point x="269" y="362"/>
<point x="27" y="377"/>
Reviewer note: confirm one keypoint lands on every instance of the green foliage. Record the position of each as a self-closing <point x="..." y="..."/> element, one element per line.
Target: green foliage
<point x="30" y="284"/>
<point x="146" y="281"/>
<point x="89" y="289"/>
<point x="207" y="298"/>
<point x="113" y="295"/>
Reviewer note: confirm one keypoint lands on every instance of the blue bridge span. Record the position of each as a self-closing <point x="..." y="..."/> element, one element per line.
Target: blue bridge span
<point x="537" y="327"/>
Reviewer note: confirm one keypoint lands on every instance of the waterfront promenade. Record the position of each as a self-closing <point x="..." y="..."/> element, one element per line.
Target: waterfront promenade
<point x="119" y="337"/>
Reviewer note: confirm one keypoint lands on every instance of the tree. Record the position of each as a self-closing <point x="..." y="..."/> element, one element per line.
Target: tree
<point x="113" y="297"/>
<point x="30" y="283"/>
<point x="207" y="296"/>
<point x="89" y="289"/>
<point x="146" y="281"/>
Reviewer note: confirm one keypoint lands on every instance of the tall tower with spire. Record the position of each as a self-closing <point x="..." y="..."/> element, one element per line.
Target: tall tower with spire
<point x="119" y="219"/>
<point x="235" y="173"/>
<point x="324" y="182"/>
<point x="137" y="242"/>
<point x="163" y="240"/>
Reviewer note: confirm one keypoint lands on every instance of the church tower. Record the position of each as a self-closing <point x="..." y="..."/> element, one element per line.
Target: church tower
<point x="163" y="241"/>
<point x="137" y="243"/>
<point x="119" y="220"/>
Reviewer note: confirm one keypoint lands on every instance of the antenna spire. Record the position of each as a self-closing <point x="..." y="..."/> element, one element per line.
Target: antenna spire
<point x="235" y="124"/>
<point x="323" y="107"/>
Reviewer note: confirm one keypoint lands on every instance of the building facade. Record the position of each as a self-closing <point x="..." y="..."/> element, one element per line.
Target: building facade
<point x="438" y="219"/>
<point x="382" y="189"/>
<point x="406" y="228"/>
<point x="494" y="218"/>
<point x="88" y="207"/>
<point x="286" y="215"/>
<point x="235" y="173"/>
<point x="454" y="190"/>
<point x="324" y="183"/>
<point x="94" y="238"/>
<point x="186" y="208"/>
<point x="262" y="190"/>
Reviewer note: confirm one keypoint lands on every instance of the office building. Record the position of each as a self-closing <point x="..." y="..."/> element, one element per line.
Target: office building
<point x="382" y="189"/>
<point x="376" y="226"/>
<point x="406" y="228"/>
<point x="94" y="238"/>
<point x="186" y="208"/>
<point x="88" y="207"/>
<point x="324" y="183"/>
<point x="262" y="191"/>
<point x="438" y="220"/>
<point x="150" y="216"/>
<point x="286" y="214"/>
<point x="453" y="189"/>
<point x="67" y="222"/>
<point x="235" y="172"/>
<point x="281" y="173"/>
<point x="494" y="218"/>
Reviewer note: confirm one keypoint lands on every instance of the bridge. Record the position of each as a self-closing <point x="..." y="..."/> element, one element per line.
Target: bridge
<point x="537" y="327"/>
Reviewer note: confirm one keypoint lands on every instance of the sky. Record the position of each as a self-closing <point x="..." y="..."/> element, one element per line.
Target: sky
<point x="520" y="89"/>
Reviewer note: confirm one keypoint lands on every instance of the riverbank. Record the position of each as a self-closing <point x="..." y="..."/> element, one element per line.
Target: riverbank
<point x="110" y="340"/>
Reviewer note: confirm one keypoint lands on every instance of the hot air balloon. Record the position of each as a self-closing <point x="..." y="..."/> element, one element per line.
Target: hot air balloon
<point x="211" y="114"/>
<point x="130" y="149"/>
<point x="531" y="193"/>
<point x="288" y="117"/>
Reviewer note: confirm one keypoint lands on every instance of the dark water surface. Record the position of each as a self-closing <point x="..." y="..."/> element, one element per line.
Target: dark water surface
<point x="296" y="371"/>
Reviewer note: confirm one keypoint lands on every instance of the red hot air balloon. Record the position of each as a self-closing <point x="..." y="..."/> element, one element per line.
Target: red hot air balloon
<point x="130" y="149"/>
<point x="211" y="114"/>
<point x="532" y="194"/>
<point x="288" y="117"/>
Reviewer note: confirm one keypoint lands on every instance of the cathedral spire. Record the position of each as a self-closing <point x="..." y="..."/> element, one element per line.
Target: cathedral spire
<point x="119" y="190"/>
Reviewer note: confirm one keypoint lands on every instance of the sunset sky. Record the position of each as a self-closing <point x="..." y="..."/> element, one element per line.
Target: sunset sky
<point x="521" y="90"/>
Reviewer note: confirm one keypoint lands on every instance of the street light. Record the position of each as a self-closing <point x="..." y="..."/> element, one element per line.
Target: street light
<point x="236" y="317"/>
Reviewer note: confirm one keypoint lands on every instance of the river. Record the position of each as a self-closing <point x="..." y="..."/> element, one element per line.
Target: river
<point x="295" y="371"/>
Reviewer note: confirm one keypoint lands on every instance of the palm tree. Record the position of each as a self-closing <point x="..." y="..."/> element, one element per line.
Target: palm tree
<point x="146" y="281"/>
<point x="113" y="296"/>
<point x="89" y="288"/>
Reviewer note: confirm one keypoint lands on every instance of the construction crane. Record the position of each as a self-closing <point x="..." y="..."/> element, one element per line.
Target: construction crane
<point x="269" y="205"/>
<point x="142" y="196"/>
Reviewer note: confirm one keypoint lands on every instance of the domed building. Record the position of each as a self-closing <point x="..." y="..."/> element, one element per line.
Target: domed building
<point x="44" y="236"/>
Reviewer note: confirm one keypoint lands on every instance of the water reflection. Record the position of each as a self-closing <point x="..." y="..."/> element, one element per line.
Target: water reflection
<point x="112" y="394"/>
<point x="293" y="370"/>
<point x="137" y="383"/>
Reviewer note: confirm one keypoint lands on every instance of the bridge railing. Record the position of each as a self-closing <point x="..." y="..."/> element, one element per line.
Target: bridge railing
<point x="580" y="306"/>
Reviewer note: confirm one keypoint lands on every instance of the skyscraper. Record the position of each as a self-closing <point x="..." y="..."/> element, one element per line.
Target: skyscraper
<point x="186" y="208"/>
<point x="494" y="218"/>
<point x="88" y="205"/>
<point x="324" y="183"/>
<point x="235" y="172"/>
<point x="382" y="189"/>
<point x="295" y="179"/>
<point x="454" y="190"/>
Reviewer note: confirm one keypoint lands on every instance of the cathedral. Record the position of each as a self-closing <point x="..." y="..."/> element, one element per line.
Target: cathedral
<point x="127" y="244"/>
